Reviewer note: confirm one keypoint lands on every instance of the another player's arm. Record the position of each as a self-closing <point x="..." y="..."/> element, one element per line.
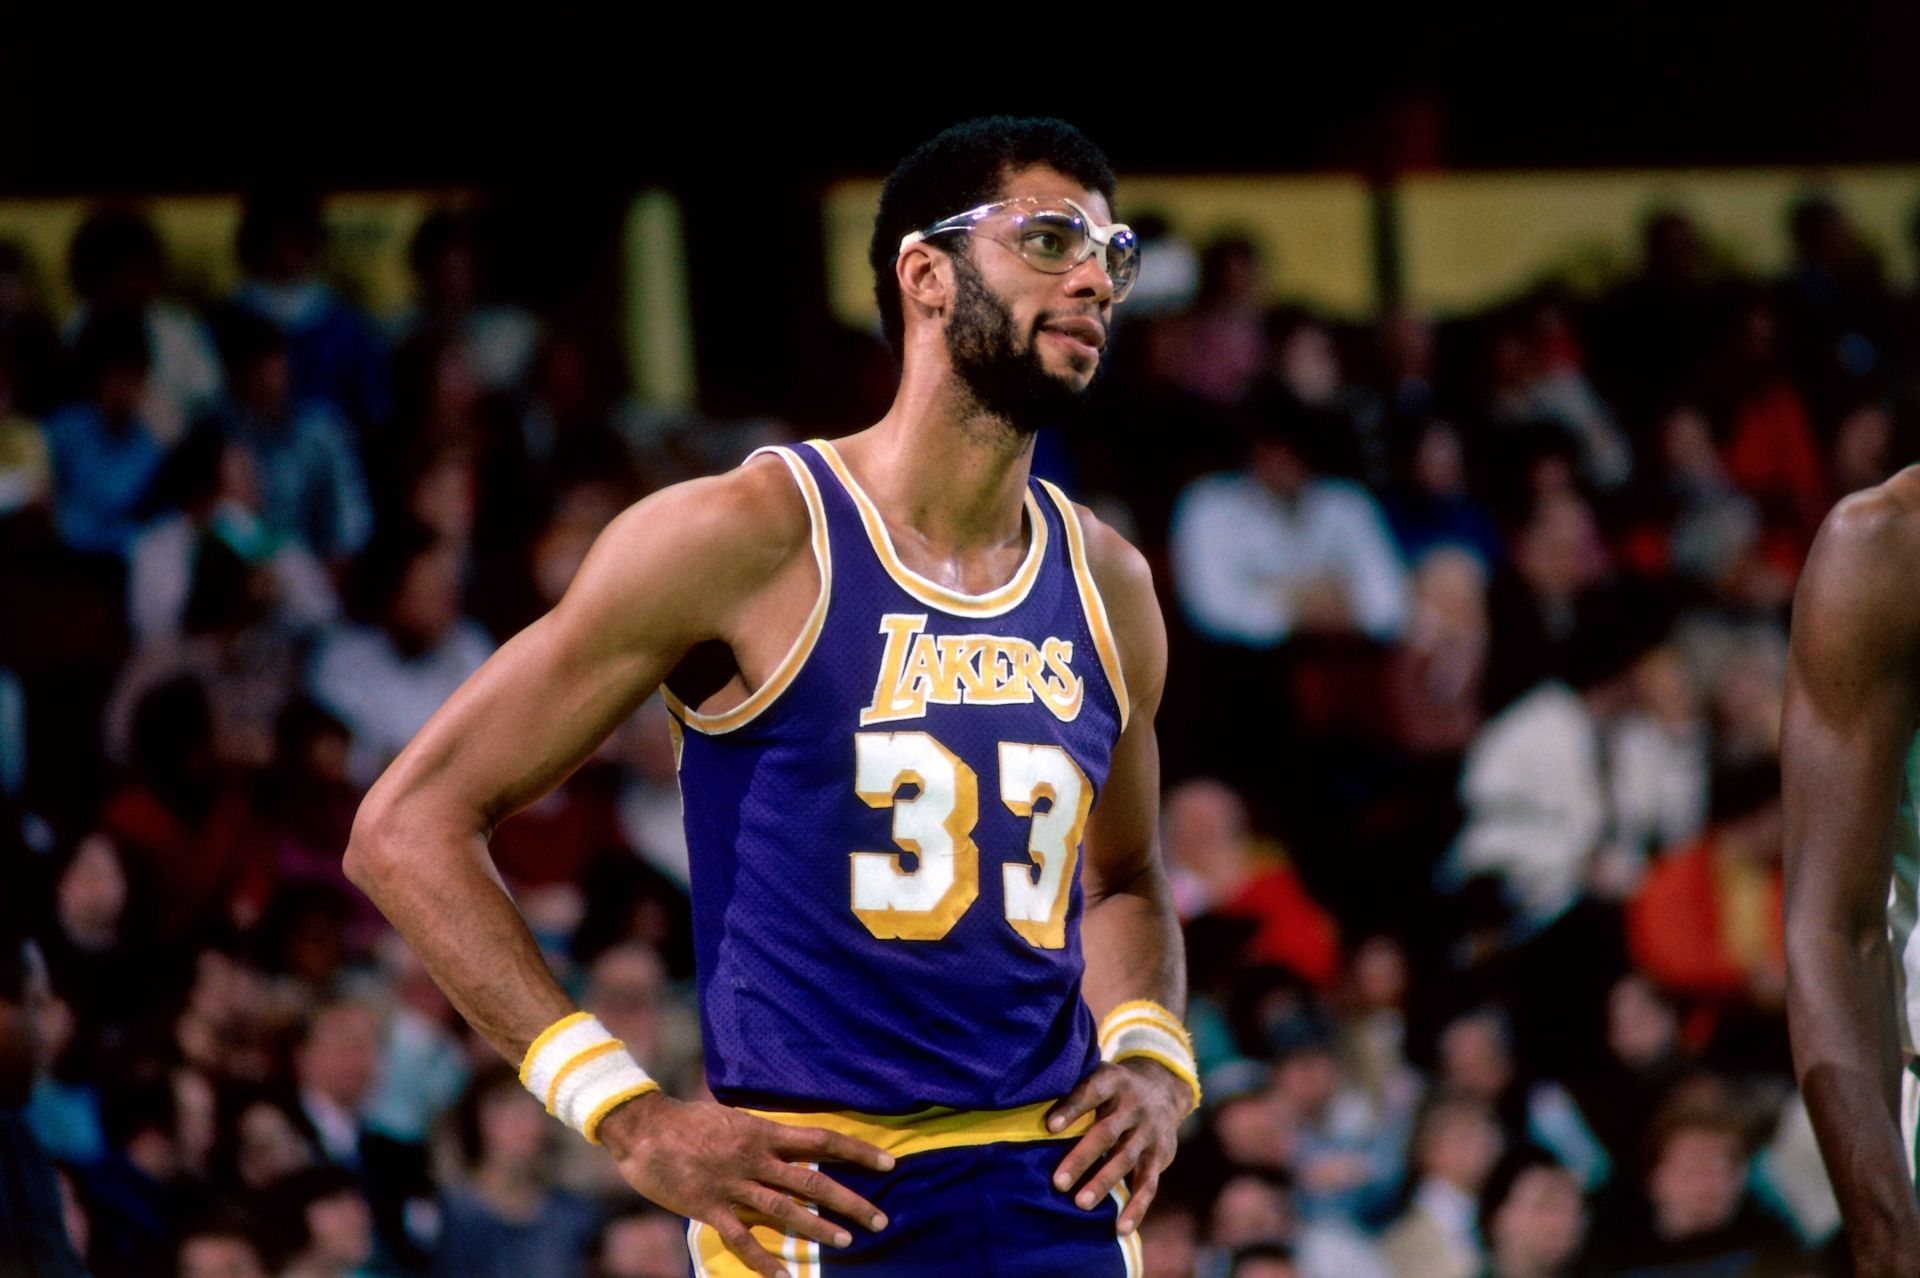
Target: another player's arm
<point x="1853" y="695"/>
<point x="689" y="563"/>
<point x="1130" y="931"/>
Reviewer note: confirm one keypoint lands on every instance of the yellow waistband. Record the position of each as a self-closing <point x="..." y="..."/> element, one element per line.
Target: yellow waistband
<point x="936" y="1128"/>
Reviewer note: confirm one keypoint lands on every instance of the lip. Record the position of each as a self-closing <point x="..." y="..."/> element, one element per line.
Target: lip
<point x="1080" y="332"/>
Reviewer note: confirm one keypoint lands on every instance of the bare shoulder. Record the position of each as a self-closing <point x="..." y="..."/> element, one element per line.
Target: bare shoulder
<point x="703" y="547"/>
<point x="1125" y="581"/>
<point x="1856" y="613"/>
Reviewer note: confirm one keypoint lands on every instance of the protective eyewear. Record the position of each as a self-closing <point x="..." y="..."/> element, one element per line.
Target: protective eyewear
<point x="1050" y="233"/>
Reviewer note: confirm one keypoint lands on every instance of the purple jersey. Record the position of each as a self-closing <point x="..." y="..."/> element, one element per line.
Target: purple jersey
<point x="885" y="837"/>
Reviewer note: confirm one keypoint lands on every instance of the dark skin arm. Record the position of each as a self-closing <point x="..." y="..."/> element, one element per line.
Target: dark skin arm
<point x="1130" y="931"/>
<point x="715" y="559"/>
<point x="1853" y="699"/>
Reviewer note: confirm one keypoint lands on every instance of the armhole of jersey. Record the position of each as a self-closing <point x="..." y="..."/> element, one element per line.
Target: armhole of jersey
<point x="783" y="674"/>
<point x="1090" y="601"/>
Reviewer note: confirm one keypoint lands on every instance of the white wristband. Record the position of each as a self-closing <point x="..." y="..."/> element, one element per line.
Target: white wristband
<point x="580" y="1072"/>
<point x="1145" y="1028"/>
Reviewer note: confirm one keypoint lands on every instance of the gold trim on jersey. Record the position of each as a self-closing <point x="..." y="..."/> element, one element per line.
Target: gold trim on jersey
<point x="932" y="593"/>
<point x="936" y="1128"/>
<point x="784" y="673"/>
<point x="1090" y="602"/>
<point x="711" y="1259"/>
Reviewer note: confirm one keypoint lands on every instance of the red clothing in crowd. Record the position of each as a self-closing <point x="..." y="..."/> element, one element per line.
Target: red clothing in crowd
<point x="1294" y="932"/>
<point x="1683" y="926"/>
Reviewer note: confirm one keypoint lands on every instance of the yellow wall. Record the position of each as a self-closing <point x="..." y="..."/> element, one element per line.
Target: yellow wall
<point x="1315" y="230"/>
<point x="367" y="241"/>
<point x="1472" y="239"/>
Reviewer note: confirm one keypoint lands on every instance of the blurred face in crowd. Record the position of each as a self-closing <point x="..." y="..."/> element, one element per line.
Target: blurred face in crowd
<point x="1258" y="1130"/>
<point x="1308" y="364"/>
<point x="1205" y="826"/>
<point x="513" y="1127"/>
<point x="1250" y="1210"/>
<point x="1450" y="592"/>
<point x="428" y="603"/>
<point x="1459" y="1144"/>
<point x="1474" y="1056"/>
<point x="1642" y="1027"/>
<point x="446" y="495"/>
<point x="220" y="1256"/>
<point x="624" y="990"/>
<point x="1541" y="1224"/>
<point x="1863" y="448"/>
<point x="1169" y="1245"/>
<point x="92" y="894"/>
<point x="650" y="1245"/>
<point x="1309" y="1078"/>
<point x="1666" y="688"/>
<point x="341" y="1054"/>
<point x="1693" y="459"/>
<point x="1279" y="466"/>
<point x="342" y="1229"/>
<point x="1696" y="1184"/>
<point x="1440" y="461"/>
<point x="1559" y="552"/>
<point x="1379" y="974"/>
<point x="270" y="1146"/>
<point x="1265" y="1267"/>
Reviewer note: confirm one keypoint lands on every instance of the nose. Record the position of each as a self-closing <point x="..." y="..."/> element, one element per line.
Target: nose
<point x="1089" y="279"/>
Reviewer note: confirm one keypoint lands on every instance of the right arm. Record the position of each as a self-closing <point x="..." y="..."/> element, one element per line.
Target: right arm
<point x="1853" y="696"/>
<point x="698" y="561"/>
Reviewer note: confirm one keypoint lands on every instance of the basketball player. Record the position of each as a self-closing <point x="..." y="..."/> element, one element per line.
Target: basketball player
<point x="1851" y="763"/>
<point x="913" y="692"/>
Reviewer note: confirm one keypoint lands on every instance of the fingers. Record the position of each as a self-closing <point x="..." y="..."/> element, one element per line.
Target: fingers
<point x="1100" y="1138"/>
<point x="1094" y="1091"/>
<point x="816" y="1144"/>
<point x="1112" y="1170"/>
<point x="788" y="1216"/>
<point x="739" y="1240"/>
<point x="822" y="1190"/>
<point x="1145" y="1184"/>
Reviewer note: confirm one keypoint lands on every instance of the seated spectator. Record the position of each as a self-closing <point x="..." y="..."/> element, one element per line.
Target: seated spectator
<point x="1697" y="1216"/>
<point x="1170" y="1240"/>
<point x="1277" y="548"/>
<point x="33" y="1233"/>
<point x="1476" y="1058"/>
<point x="1347" y="1153"/>
<point x="258" y="1142"/>
<point x="1644" y="1061"/>
<point x="335" y="1068"/>
<point x="1455" y="1145"/>
<point x="104" y="452"/>
<point x="1538" y="377"/>
<point x="322" y="1224"/>
<point x="97" y="950"/>
<point x="506" y="1220"/>
<point x="334" y="352"/>
<point x="207" y="488"/>
<point x="1438" y="672"/>
<point x="116" y="263"/>
<point x="313" y="486"/>
<point x="224" y="1246"/>
<point x="499" y="341"/>
<point x="386" y="679"/>
<point x="1256" y="1208"/>
<point x="1553" y="590"/>
<point x="1431" y="506"/>
<point x="1531" y="1216"/>
<point x="1657" y="756"/>
<point x="643" y="1241"/>
<point x="1218" y="866"/>
<point x="1706" y="923"/>
<point x="189" y="846"/>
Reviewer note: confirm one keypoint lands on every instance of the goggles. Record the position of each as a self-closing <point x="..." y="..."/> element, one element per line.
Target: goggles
<point x="1050" y="233"/>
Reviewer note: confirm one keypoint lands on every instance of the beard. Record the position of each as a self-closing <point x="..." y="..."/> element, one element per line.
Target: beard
<point x="1007" y="382"/>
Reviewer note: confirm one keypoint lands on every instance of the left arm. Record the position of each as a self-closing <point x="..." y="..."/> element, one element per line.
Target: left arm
<point x="1130" y="932"/>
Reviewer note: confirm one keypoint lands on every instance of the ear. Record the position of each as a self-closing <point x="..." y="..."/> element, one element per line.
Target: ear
<point x="925" y="276"/>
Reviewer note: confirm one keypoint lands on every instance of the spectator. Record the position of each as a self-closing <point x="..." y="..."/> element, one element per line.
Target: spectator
<point x="1439" y="671"/>
<point x="104" y="452"/>
<point x="1531" y="1217"/>
<point x="384" y="680"/>
<point x="220" y="1247"/>
<point x="1477" y="1059"/>
<point x="1455" y="1146"/>
<point x="643" y="1241"/>
<point x="1431" y="505"/>
<point x="1554" y="590"/>
<point x="1644" y="1062"/>
<point x="1169" y="1241"/>
<point x="1218" y="866"/>
<point x="116" y="264"/>
<point x="1538" y="377"/>
<point x="499" y="341"/>
<point x="324" y="1228"/>
<point x="506" y="1220"/>
<point x="33" y="1234"/>
<point x="313" y="487"/>
<point x="334" y="353"/>
<point x="1697" y="1216"/>
<point x="1277" y="548"/>
<point x="1264" y="1260"/>
<point x="335" y="1068"/>
<point x="1657" y="756"/>
<point x="1255" y="1209"/>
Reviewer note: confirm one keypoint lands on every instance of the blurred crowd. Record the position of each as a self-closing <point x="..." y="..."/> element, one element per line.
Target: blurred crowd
<point x="1470" y="742"/>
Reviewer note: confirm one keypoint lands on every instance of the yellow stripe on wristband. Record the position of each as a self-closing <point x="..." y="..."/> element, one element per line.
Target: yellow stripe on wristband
<point x="1160" y="1020"/>
<point x="1180" y="1069"/>
<point x="591" y="1128"/>
<point x="580" y="1058"/>
<point x="546" y="1036"/>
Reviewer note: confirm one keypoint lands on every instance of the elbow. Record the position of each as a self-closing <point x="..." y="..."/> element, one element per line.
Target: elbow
<point x="370" y="858"/>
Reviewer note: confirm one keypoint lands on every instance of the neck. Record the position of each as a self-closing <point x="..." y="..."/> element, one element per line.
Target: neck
<point x="954" y="473"/>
